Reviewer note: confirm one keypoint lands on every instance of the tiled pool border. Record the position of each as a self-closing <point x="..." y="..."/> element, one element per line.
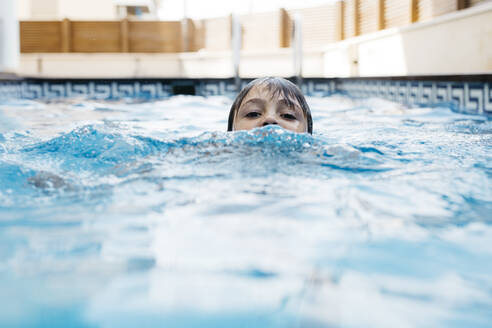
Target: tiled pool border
<point x="466" y="93"/>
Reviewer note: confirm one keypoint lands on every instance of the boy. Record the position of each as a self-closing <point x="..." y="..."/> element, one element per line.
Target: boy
<point x="270" y="100"/>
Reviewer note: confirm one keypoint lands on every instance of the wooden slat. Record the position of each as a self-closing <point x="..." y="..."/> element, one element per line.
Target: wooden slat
<point x="261" y="31"/>
<point x="198" y="35"/>
<point x="188" y="34"/>
<point x="428" y="9"/>
<point x="320" y="25"/>
<point x="158" y="36"/>
<point x="40" y="36"/>
<point x="368" y="16"/>
<point x="125" y="35"/>
<point x="217" y="33"/>
<point x="414" y="16"/>
<point x="96" y="36"/>
<point x="350" y="19"/>
<point x="397" y="13"/>
<point x="66" y="36"/>
<point x="285" y="28"/>
<point x="380" y="13"/>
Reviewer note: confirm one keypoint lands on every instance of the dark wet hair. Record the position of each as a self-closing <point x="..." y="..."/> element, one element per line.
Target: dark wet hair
<point x="277" y="86"/>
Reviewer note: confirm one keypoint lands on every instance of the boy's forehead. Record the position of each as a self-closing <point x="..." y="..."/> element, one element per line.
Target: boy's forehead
<point x="263" y="91"/>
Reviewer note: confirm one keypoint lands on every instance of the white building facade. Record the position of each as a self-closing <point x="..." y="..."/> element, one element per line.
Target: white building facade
<point x="86" y="9"/>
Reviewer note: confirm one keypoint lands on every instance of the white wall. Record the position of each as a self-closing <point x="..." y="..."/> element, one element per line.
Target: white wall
<point x="340" y="60"/>
<point x="9" y="36"/>
<point x="23" y="9"/>
<point x="44" y="9"/>
<point x="461" y="45"/>
<point x="382" y="56"/>
<point x="87" y="9"/>
<point x="60" y="9"/>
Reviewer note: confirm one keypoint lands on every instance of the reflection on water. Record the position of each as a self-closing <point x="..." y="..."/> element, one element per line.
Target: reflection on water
<point x="149" y="214"/>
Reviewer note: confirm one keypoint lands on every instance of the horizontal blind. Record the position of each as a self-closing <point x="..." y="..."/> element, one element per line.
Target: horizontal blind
<point x="198" y="41"/>
<point x="217" y="33"/>
<point x="40" y="36"/>
<point x="320" y="25"/>
<point x="96" y="36"/>
<point x="428" y="9"/>
<point x="368" y="16"/>
<point x="397" y="13"/>
<point x="349" y="26"/>
<point x="155" y="36"/>
<point x="261" y="31"/>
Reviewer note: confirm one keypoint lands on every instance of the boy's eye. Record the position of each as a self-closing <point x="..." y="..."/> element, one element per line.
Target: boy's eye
<point x="289" y="117"/>
<point x="253" y="114"/>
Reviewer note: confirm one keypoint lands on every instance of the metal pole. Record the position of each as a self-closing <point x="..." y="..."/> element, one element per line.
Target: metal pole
<point x="9" y="36"/>
<point x="236" y="48"/>
<point x="297" y="49"/>
<point x="184" y="27"/>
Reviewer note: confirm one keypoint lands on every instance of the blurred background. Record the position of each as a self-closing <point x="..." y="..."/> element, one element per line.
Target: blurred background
<point x="195" y="39"/>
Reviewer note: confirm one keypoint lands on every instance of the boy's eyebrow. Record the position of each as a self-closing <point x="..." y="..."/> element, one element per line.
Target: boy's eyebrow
<point x="289" y="103"/>
<point x="257" y="101"/>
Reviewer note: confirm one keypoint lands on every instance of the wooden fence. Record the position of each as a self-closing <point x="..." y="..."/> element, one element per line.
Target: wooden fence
<point x="213" y="34"/>
<point x="100" y="36"/>
<point x="366" y="16"/>
<point x="321" y="25"/>
<point x="265" y="31"/>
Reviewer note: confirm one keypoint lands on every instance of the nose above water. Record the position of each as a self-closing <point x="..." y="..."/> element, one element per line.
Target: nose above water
<point x="269" y="123"/>
<point x="270" y="119"/>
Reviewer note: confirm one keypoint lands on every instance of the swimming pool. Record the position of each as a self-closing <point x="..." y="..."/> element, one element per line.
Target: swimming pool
<point x="132" y="213"/>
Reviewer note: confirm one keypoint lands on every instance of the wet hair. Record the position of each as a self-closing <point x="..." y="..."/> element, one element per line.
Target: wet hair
<point x="277" y="86"/>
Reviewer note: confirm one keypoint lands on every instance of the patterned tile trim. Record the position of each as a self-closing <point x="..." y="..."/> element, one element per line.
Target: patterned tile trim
<point x="473" y="97"/>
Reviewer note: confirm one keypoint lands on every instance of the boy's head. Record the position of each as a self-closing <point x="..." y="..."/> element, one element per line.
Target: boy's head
<point x="270" y="100"/>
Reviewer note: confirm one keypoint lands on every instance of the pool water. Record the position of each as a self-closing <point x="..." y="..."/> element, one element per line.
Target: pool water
<point x="148" y="214"/>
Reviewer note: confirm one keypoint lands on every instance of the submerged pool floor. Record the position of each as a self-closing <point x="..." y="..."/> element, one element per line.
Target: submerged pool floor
<point x="148" y="214"/>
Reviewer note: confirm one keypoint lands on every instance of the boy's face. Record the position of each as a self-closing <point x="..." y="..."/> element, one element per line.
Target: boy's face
<point x="258" y="109"/>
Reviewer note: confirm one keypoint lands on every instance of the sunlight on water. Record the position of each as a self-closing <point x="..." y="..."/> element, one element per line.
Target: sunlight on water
<point x="121" y="214"/>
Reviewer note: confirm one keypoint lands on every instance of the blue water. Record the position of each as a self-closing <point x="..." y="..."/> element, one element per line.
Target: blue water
<point x="148" y="214"/>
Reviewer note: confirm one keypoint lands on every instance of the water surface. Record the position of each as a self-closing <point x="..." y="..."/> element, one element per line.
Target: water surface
<point x="124" y="214"/>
